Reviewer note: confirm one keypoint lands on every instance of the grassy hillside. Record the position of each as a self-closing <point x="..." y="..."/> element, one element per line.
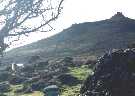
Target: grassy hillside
<point x="89" y="37"/>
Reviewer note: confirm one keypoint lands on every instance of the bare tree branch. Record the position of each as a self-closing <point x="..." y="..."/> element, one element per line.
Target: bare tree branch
<point x="18" y="14"/>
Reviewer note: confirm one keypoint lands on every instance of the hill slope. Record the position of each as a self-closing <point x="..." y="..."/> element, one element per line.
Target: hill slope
<point x="89" y="37"/>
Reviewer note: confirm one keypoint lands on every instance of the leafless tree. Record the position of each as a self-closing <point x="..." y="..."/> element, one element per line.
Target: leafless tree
<point x="21" y="17"/>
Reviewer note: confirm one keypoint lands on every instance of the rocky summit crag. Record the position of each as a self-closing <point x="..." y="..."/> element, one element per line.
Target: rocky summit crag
<point x="114" y="75"/>
<point x="119" y="17"/>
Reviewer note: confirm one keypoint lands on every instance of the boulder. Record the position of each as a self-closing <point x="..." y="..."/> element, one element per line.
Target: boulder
<point x="14" y="80"/>
<point x="68" y="79"/>
<point x="4" y="87"/>
<point x="37" y="86"/>
<point x="114" y="75"/>
<point x="51" y="90"/>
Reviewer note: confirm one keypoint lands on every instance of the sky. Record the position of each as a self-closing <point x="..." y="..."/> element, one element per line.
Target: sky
<point x="79" y="11"/>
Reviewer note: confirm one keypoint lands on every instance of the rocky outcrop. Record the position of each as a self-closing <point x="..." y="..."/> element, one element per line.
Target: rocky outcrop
<point x="114" y="75"/>
<point x="119" y="17"/>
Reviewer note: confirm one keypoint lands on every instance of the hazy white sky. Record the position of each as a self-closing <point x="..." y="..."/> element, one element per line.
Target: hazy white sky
<point x="78" y="11"/>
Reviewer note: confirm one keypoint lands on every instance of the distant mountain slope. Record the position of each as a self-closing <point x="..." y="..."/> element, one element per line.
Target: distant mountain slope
<point x="89" y="37"/>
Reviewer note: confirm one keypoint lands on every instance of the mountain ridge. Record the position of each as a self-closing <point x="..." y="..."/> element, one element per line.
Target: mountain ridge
<point x="88" y="37"/>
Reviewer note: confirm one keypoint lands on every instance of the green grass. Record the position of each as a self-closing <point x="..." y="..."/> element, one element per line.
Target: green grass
<point x="70" y="90"/>
<point x="36" y="93"/>
<point x="80" y="72"/>
<point x="16" y="87"/>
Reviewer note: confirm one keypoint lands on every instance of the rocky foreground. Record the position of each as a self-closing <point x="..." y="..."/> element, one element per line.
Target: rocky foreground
<point x="67" y="73"/>
<point x="114" y="75"/>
